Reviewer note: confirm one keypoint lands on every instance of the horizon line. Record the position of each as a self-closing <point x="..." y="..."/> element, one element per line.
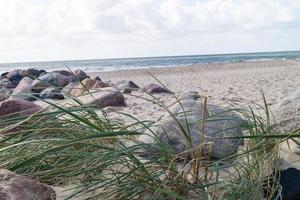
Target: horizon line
<point x="143" y="57"/>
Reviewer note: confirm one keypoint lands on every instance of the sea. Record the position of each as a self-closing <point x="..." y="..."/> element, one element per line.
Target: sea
<point x="150" y="62"/>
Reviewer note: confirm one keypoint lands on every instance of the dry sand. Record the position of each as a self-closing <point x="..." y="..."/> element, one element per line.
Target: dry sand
<point x="231" y="81"/>
<point x="244" y="81"/>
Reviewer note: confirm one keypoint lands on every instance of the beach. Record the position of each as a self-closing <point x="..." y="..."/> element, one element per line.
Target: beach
<point x="245" y="80"/>
<point x="224" y="85"/>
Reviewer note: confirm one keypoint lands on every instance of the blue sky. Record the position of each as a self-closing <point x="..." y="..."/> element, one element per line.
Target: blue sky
<point x="35" y="30"/>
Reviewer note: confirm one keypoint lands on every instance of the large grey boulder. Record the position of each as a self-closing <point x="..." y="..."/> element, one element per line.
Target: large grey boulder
<point x="50" y="80"/>
<point x="23" y="90"/>
<point x="187" y="118"/>
<point x="16" y="187"/>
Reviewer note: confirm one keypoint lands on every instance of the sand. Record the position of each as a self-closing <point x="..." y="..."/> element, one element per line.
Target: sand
<point x="279" y="80"/>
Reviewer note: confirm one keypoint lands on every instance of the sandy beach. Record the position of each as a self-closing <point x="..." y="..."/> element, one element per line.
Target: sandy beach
<point x="242" y="80"/>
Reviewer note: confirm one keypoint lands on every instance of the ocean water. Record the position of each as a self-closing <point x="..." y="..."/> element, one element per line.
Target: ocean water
<point x="150" y="62"/>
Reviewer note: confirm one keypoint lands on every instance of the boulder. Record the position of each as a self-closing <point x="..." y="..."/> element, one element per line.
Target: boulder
<point x="17" y="107"/>
<point x="64" y="72"/>
<point x="125" y="86"/>
<point x="3" y="75"/>
<point x="51" y="93"/>
<point x="71" y="86"/>
<point x="50" y="80"/>
<point x="289" y="180"/>
<point x="187" y="119"/>
<point x="154" y="89"/>
<point x="15" y="76"/>
<point x="23" y="90"/>
<point x="33" y="73"/>
<point x="86" y="85"/>
<point x="80" y="75"/>
<point x="4" y="93"/>
<point x="7" y="83"/>
<point x="105" y="99"/>
<point x="97" y="78"/>
<point x="16" y="187"/>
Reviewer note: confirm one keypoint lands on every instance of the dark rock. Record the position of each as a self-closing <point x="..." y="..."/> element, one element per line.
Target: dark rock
<point x="64" y="72"/>
<point x="15" y="76"/>
<point x="97" y="78"/>
<point x="219" y="124"/>
<point x="16" y="187"/>
<point x="3" y="75"/>
<point x="50" y="80"/>
<point x="289" y="180"/>
<point x="80" y="75"/>
<point x="107" y="98"/>
<point x="154" y="88"/>
<point x="125" y="86"/>
<point x="23" y="90"/>
<point x="17" y="107"/>
<point x="51" y="93"/>
<point x="33" y="73"/>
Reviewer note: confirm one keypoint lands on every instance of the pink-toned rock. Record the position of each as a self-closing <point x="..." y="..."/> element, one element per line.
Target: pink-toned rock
<point x="17" y="107"/>
<point x="23" y="90"/>
<point x="105" y="99"/>
<point x="16" y="187"/>
<point x="85" y="85"/>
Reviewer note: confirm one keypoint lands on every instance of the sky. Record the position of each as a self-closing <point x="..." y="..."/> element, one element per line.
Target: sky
<point x="41" y="30"/>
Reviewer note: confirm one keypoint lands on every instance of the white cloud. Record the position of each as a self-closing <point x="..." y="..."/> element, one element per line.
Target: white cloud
<point x="74" y="29"/>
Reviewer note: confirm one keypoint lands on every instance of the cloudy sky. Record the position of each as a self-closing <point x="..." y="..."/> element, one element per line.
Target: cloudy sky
<point x="36" y="30"/>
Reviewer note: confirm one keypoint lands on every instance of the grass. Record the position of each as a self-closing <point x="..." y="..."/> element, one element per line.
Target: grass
<point x="89" y="149"/>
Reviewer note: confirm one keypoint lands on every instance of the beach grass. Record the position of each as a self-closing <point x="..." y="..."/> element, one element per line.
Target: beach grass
<point x="90" y="151"/>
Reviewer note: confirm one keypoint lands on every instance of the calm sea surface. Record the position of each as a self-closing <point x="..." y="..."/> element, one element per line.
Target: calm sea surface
<point x="151" y="62"/>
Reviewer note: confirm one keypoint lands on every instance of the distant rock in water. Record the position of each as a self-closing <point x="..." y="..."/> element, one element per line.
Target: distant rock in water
<point x="154" y="88"/>
<point x="16" y="187"/>
<point x="218" y="125"/>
